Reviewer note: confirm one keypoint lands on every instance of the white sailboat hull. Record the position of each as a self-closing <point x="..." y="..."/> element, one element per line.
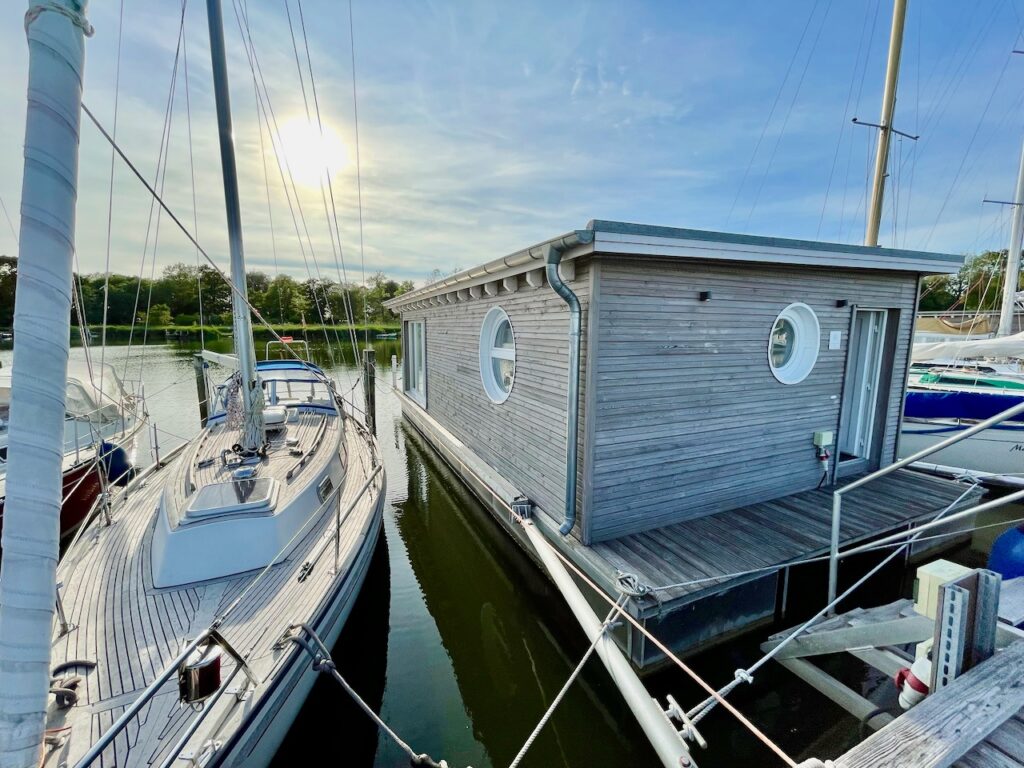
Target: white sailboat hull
<point x="997" y="450"/>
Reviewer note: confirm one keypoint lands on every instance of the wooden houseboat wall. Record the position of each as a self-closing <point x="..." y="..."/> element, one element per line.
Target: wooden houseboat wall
<point x="685" y="429"/>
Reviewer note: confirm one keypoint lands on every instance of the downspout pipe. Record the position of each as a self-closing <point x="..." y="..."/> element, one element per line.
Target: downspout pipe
<point x="552" y="258"/>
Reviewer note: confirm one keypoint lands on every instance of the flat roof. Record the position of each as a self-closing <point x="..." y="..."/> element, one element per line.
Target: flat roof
<point x="645" y="240"/>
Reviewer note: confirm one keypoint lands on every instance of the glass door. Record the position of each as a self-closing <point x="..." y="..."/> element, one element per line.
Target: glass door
<point x="863" y="374"/>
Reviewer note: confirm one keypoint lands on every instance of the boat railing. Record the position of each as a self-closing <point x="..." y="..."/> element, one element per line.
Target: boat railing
<point x="212" y="632"/>
<point x="133" y="709"/>
<point x="837" y="495"/>
<point x="285" y="345"/>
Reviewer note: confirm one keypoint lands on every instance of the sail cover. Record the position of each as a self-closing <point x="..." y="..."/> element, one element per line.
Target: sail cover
<point x="1006" y="346"/>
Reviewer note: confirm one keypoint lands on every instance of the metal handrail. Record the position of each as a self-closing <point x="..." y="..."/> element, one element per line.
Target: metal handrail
<point x="151" y="690"/>
<point x="837" y="494"/>
<point x="213" y="631"/>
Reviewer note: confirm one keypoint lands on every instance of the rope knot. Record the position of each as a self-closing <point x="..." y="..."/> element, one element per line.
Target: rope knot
<point x="630" y="584"/>
<point x="742" y="676"/>
<point x="324" y="665"/>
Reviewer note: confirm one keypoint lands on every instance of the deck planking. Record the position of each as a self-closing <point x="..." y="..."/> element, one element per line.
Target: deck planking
<point x="772" y="533"/>
<point x="135" y="630"/>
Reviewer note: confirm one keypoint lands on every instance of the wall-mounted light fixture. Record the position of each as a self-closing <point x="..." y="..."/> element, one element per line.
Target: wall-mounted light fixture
<point x="840" y="303"/>
<point x="705" y="295"/>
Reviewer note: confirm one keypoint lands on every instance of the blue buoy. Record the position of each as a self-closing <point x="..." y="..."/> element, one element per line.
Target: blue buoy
<point x="116" y="463"/>
<point x="1007" y="556"/>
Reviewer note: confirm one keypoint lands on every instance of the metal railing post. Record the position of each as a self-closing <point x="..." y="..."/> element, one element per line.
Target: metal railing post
<point x="837" y="495"/>
<point x="833" y="558"/>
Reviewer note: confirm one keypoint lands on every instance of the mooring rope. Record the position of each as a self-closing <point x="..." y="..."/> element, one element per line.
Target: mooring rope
<point x="324" y="664"/>
<point x="565" y="688"/>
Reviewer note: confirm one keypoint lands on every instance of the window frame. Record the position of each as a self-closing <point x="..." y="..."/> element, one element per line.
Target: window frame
<point x="806" y="343"/>
<point x="414" y="360"/>
<point x="488" y="352"/>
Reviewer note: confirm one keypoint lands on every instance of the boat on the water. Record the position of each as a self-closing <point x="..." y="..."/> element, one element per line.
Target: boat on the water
<point x="185" y="616"/>
<point x="102" y="423"/>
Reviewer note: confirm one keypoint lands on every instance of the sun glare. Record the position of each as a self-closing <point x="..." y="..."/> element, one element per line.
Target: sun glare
<point x="309" y="153"/>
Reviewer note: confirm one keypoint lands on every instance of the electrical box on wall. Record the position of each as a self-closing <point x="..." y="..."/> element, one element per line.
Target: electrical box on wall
<point x="823" y="439"/>
<point x="835" y="339"/>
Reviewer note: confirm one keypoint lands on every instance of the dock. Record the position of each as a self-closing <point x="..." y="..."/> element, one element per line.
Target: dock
<point x="710" y="549"/>
<point x="973" y="723"/>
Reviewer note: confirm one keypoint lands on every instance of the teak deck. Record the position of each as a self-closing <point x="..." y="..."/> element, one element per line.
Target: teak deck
<point x="131" y="630"/>
<point x="712" y="549"/>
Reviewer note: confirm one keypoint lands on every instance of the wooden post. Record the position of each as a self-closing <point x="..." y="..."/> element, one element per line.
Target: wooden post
<point x="369" y="388"/>
<point x="394" y="371"/>
<point x="199" y="364"/>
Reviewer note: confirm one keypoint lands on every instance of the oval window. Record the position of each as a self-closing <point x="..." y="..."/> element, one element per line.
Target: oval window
<point x="497" y="355"/>
<point x="793" y="344"/>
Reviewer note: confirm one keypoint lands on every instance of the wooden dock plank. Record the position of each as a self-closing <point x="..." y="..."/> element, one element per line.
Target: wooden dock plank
<point x="947" y="725"/>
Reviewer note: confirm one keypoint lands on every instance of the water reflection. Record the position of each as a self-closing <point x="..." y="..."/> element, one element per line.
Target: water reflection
<point x="461" y="643"/>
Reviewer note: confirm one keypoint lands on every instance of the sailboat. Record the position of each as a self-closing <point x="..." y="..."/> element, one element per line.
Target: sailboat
<point x="102" y="423"/>
<point x="180" y="621"/>
<point x="957" y="383"/>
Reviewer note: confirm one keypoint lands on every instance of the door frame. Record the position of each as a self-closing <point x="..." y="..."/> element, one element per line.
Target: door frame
<point x="882" y="386"/>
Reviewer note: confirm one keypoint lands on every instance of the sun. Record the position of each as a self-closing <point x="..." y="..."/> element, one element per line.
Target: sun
<point x="310" y="154"/>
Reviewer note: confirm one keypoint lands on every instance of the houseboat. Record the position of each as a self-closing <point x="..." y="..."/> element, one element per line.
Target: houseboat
<point x="675" y="408"/>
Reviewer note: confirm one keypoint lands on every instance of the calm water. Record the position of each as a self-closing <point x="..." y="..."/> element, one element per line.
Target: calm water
<point x="461" y="644"/>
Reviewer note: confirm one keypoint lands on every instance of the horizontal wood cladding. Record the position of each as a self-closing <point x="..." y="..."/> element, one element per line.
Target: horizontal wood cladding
<point x="523" y="438"/>
<point x="687" y="418"/>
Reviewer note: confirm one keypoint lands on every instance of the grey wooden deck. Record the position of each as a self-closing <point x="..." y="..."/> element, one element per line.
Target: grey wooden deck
<point x="771" y="533"/>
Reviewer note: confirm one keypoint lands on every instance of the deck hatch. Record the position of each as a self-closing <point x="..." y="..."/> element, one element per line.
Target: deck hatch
<point x="232" y="498"/>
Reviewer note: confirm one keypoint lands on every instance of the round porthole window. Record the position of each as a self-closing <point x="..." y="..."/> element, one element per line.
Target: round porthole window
<point x="497" y="355"/>
<point x="793" y="344"/>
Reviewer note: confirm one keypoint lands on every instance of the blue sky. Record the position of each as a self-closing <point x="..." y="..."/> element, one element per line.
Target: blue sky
<point x="486" y="127"/>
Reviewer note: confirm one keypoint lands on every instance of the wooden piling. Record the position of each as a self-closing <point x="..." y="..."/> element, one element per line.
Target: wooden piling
<point x="369" y="388"/>
<point x="199" y="364"/>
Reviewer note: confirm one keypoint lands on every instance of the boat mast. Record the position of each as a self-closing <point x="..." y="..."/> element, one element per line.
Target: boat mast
<point x="42" y="320"/>
<point x="252" y="395"/>
<point x="892" y="73"/>
<point x="1010" y="277"/>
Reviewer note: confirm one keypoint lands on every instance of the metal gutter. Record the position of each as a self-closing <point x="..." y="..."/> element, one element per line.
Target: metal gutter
<point x="552" y="258"/>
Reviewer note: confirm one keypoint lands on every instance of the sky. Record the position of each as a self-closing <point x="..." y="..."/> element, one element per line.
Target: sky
<point x="486" y="127"/>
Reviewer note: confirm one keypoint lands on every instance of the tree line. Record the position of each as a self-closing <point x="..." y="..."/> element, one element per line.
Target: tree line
<point x="977" y="287"/>
<point x="187" y="295"/>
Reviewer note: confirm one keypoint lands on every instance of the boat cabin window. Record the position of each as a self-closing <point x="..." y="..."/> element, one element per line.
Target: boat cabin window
<point x="794" y="343"/>
<point x="414" y="360"/>
<point x="497" y="355"/>
<point x="258" y="495"/>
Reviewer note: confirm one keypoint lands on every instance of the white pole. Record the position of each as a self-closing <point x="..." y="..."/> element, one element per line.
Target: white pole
<point x="28" y="583"/>
<point x="892" y="73"/>
<point x="1013" y="257"/>
<point x="664" y="737"/>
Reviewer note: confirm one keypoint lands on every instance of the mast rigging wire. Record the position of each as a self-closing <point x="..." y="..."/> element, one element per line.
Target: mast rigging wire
<point x="335" y="244"/>
<point x="359" y="173"/>
<point x="339" y="259"/>
<point x="192" y="177"/>
<point x="110" y="187"/>
<point x="149" y="188"/>
<point x="264" y="102"/>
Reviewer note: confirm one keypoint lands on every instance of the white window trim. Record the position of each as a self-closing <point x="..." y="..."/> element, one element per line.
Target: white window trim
<point x="807" y="340"/>
<point x="488" y="329"/>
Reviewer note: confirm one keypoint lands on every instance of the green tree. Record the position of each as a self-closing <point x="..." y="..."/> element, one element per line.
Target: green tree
<point x="159" y="314"/>
<point x="284" y="300"/>
<point x="8" y="277"/>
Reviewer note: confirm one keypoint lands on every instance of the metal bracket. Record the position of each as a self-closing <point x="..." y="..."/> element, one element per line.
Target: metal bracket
<point x="675" y="713"/>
